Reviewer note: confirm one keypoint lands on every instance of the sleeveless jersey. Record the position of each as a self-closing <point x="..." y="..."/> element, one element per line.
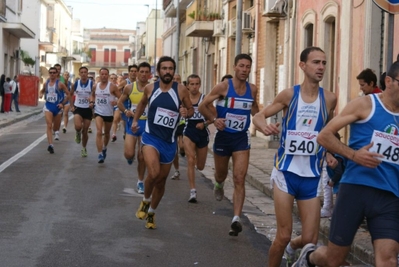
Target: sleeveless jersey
<point x="53" y="94"/>
<point x="82" y="93"/>
<point x="380" y="127"/>
<point x="299" y="152"/>
<point x="236" y="109"/>
<point x="163" y="113"/>
<point x="103" y="101"/>
<point x="134" y="99"/>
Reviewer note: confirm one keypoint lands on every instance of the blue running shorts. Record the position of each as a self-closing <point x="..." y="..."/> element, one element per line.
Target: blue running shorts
<point x="226" y="143"/>
<point x="166" y="150"/>
<point x="141" y="124"/>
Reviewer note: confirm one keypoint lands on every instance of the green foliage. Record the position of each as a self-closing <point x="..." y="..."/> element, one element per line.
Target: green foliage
<point x="26" y="59"/>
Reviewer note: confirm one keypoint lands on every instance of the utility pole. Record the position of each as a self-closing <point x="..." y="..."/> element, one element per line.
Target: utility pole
<point x="155" y="41"/>
<point x="239" y="27"/>
<point x="177" y="46"/>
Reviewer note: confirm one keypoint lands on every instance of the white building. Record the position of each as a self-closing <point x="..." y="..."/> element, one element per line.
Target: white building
<point x="12" y="30"/>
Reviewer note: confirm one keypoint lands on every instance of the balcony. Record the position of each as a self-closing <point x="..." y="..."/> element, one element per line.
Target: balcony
<point x="169" y="7"/>
<point x="199" y="20"/>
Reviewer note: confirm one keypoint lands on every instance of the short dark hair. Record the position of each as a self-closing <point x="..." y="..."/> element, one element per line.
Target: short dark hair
<point x="132" y="66"/>
<point x="242" y="56"/>
<point x="382" y="81"/>
<point x="305" y="53"/>
<point x="143" y="65"/>
<point x="104" y="68"/>
<point x="368" y="76"/>
<point x="53" y="68"/>
<point x="57" y="65"/>
<point x="227" y="76"/>
<point x="83" y="67"/>
<point x="193" y="76"/>
<point x="393" y="71"/>
<point x="8" y="79"/>
<point x="166" y="59"/>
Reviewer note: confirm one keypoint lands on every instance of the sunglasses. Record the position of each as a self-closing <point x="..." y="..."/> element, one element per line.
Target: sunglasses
<point x="53" y="72"/>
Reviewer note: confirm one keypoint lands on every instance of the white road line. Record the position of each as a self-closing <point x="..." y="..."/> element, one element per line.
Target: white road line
<point x="22" y="153"/>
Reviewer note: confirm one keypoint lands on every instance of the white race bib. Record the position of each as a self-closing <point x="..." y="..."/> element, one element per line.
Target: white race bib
<point x="101" y="100"/>
<point x="51" y="97"/>
<point x="301" y="143"/>
<point x="236" y="122"/>
<point x="387" y="145"/>
<point x="166" y="118"/>
<point x="134" y="107"/>
<point x="197" y="115"/>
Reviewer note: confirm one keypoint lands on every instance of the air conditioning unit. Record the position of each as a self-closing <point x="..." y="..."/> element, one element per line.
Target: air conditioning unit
<point x="232" y="28"/>
<point x="247" y="22"/>
<point x="275" y="8"/>
<point x="218" y="28"/>
<point x="269" y="4"/>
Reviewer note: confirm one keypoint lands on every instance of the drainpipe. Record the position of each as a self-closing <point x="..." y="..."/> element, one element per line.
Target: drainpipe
<point x="256" y="37"/>
<point x="292" y="45"/>
<point x="239" y="27"/>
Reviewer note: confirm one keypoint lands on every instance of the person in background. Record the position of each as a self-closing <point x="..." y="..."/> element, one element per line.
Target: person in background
<point x="227" y="76"/>
<point x="2" y="81"/>
<point x="67" y="104"/>
<point x="117" y="114"/>
<point x="235" y="103"/>
<point x="368" y="82"/>
<point x="179" y="137"/>
<point x="15" y="93"/>
<point x="7" y="95"/>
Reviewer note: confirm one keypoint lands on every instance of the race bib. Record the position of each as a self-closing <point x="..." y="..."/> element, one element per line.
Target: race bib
<point x="83" y="101"/>
<point x="236" y="122"/>
<point x="386" y="145"/>
<point x="301" y="143"/>
<point x="197" y="115"/>
<point x="101" y="100"/>
<point x="52" y="97"/>
<point x="134" y="107"/>
<point x="166" y="118"/>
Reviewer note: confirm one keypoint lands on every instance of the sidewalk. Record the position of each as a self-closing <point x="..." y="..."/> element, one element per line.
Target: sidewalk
<point x="26" y="112"/>
<point x="258" y="177"/>
<point x="258" y="206"/>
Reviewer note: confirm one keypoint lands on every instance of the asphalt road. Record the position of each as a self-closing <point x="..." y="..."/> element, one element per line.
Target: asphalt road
<point x="63" y="210"/>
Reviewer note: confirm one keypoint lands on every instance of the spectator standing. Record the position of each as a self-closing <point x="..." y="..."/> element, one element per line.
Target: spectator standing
<point x="15" y="93"/>
<point x="2" y="81"/>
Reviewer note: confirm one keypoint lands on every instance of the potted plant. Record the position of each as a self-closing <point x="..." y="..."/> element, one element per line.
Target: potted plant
<point x="192" y="15"/>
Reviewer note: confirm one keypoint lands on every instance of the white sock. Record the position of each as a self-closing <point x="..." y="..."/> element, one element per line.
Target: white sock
<point x="290" y="250"/>
<point x="193" y="190"/>
<point x="140" y="182"/>
<point x="151" y="210"/>
<point x="146" y="199"/>
<point x="57" y="132"/>
<point x="236" y="218"/>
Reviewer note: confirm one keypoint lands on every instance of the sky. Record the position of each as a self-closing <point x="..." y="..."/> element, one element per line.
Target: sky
<point x="121" y="14"/>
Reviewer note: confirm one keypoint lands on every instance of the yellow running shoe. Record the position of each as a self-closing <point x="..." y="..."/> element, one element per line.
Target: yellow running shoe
<point x="143" y="210"/>
<point x="150" y="224"/>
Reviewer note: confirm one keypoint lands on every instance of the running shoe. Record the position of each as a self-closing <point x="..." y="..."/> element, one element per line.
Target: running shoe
<point x="77" y="137"/>
<point x="218" y="191"/>
<point x="193" y="196"/>
<point x="150" y="224"/>
<point x="100" y="158"/>
<point x="50" y="149"/>
<point x="64" y="130"/>
<point x="57" y="136"/>
<point x="89" y="130"/>
<point x="143" y="210"/>
<point x="130" y="161"/>
<point x="176" y="176"/>
<point x="326" y="212"/>
<point x="83" y="152"/>
<point x="140" y="187"/>
<point x="113" y="138"/>
<point x="236" y="228"/>
<point x="290" y="257"/>
<point x="104" y="153"/>
<point x="302" y="262"/>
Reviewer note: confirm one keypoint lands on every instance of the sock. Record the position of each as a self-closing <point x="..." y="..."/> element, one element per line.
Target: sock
<point x="193" y="190"/>
<point x="290" y="250"/>
<point x="177" y="170"/>
<point x="219" y="185"/>
<point x="57" y="132"/>
<point x="236" y="218"/>
<point x="308" y="259"/>
<point x="151" y="210"/>
<point x="104" y="147"/>
<point x="140" y="182"/>
<point x="146" y="199"/>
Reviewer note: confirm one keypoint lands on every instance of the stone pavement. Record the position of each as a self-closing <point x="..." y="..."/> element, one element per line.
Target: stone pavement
<point x="258" y="191"/>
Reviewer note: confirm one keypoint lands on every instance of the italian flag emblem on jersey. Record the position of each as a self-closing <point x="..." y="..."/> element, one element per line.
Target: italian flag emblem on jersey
<point x="307" y="122"/>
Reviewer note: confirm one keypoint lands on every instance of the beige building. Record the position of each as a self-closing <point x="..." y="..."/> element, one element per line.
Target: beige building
<point x="110" y="48"/>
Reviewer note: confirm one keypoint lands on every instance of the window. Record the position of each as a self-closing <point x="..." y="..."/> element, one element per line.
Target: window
<point x="113" y="56"/>
<point x="308" y="38"/>
<point x="126" y="55"/>
<point x="93" y="55"/>
<point x="106" y="55"/>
